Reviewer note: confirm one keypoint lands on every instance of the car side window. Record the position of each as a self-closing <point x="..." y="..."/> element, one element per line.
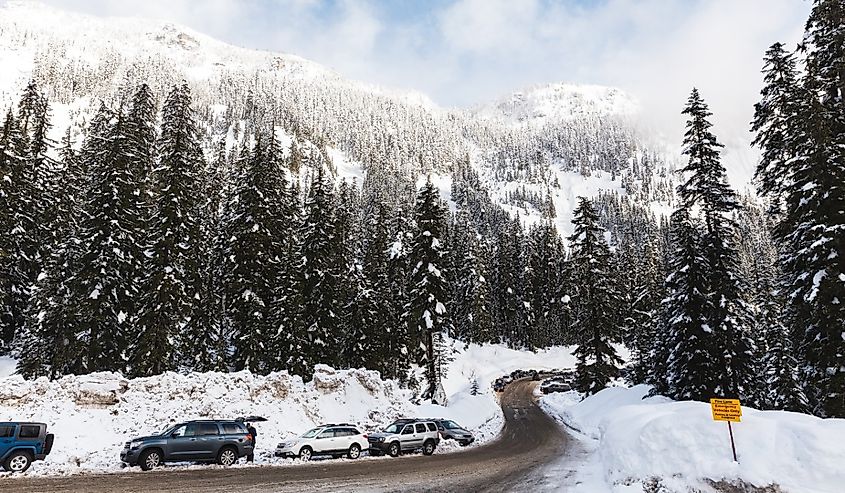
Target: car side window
<point x="408" y="430"/>
<point x="192" y="430"/>
<point x="7" y="431"/>
<point x="420" y="428"/>
<point x="206" y="429"/>
<point x="431" y="427"/>
<point x="179" y="432"/>
<point x="232" y="429"/>
<point x="326" y="434"/>
<point x="29" y="431"/>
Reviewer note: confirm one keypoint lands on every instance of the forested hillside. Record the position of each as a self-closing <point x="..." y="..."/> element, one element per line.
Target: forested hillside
<point x="169" y="202"/>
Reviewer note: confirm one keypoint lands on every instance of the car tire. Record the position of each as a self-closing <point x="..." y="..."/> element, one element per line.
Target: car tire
<point x="428" y="447"/>
<point x="305" y="454"/>
<point x="394" y="450"/>
<point x="17" y="462"/>
<point x="354" y="451"/>
<point x="227" y="456"/>
<point x="150" y="459"/>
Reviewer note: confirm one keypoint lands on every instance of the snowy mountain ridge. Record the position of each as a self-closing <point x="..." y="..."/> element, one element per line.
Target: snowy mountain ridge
<point x="556" y="140"/>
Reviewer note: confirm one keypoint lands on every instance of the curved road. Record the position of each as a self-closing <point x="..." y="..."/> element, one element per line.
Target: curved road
<point x="529" y="438"/>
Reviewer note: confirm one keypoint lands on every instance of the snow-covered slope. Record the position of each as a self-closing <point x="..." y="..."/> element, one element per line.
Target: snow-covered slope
<point x="80" y="60"/>
<point x="631" y="440"/>
<point x="553" y="103"/>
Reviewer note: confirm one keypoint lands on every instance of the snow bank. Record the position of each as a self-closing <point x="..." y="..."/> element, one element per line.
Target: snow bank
<point x="635" y="439"/>
<point x="93" y="415"/>
<point x="7" y="366"/>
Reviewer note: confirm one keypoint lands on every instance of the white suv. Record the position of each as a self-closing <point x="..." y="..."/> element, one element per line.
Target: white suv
<point x="335" y="440"/>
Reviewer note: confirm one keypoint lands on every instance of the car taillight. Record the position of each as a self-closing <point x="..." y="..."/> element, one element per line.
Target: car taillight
<point x="365" y="437"/>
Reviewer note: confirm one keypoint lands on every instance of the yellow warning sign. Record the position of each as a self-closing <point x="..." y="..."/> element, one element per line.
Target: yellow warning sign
<point x="726" y="410"/>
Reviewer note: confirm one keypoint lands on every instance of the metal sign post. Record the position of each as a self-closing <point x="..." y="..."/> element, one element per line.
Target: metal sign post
<point x="727" y="410"/>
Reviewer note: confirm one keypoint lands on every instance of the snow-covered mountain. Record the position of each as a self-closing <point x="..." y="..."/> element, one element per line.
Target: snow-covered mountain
<point x="544" y="145"/>
<point x="551" y="103"/>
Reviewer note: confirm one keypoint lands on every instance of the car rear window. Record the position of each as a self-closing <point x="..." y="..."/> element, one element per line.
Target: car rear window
<point x="431" y="427"/>
<point x="420" y="428"/>
<point x="29" y="431"/>
<point x="7" y="431"/>
<point x="205" y="429"/>
<point x="232" y="429"/>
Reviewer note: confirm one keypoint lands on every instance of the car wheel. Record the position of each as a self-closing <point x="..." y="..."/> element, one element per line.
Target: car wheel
<point x="150" y="460"/>
<point x="428" y="447"/>
<point x="394" y="449"/>
<point x="354" y="451"/>
<point x="305" y="454"/>
<point x="227" y="456"/>
<point x="17" y="462"/>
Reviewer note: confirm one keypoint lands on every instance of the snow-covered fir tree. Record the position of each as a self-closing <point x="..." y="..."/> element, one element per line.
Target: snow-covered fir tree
<point x="170" y="286"/>
<point x="428" y="320"/>
<point x="715" y="353"/>
<point x="595" y="302"/>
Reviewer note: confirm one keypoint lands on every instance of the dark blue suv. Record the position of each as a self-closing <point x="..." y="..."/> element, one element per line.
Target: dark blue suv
<point x="23" y="443"/>
<point x="223" y="442"/>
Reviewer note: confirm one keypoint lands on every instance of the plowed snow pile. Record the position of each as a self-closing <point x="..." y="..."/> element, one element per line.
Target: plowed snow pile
<point x="93" y="415"/>
<point x="634" y="440"/>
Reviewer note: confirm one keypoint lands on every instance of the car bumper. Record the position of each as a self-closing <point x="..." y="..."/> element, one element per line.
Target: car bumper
<point x="285" y="452"/>
<point x="129" y="456"/>
<point x="40" y="456"/>
<point x="379" y="446"/>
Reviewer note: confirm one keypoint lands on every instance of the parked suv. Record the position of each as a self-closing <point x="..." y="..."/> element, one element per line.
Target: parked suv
<point x="335" y="440"/>
<point x="405" y="435"/>
<point x="23" y="443"/>
<point x="223" y="442"/>
<point x="449" y="430"/>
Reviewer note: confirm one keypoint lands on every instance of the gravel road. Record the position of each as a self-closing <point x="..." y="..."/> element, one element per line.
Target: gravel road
<point x="529" y="439"/>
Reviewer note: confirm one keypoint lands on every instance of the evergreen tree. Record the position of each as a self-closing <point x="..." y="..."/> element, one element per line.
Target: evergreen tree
<point x="775" y="117"/>
<point x="171" y="284"/>
<point x="253" y="250"/>
<point x="428" y="320"/>
<point x="322" y="273"/>
<point x="811" y="232"/>
<point x="719" y="357"/>
<point x="545" y="284"/>
<point x="595" y="302"/>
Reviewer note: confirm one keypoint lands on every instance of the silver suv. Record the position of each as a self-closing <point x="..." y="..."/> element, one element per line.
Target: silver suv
<point x="405" y="435"/>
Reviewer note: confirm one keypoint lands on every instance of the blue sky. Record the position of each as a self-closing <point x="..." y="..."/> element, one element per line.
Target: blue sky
<point x="464" y="52"/>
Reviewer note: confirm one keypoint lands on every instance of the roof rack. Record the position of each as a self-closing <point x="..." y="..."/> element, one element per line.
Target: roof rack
<point x="336" y="424"/>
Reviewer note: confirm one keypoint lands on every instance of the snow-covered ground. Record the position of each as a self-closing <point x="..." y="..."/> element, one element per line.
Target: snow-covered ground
<point x="7" y="366"/>
<point x="93" y="415"/>
<point x="626" y="441"/>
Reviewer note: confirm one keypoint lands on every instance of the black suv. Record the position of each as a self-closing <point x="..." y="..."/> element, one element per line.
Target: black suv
<point x="223" y="442"/>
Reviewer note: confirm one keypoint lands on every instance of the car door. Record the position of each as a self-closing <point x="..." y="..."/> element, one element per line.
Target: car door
<point x="419" y="434"/>
<point x="29" y="436"/>
<point x="7" y="437"/>
<point x="344" y="439"/>
<point x="184" y="443"/>
<point x="406" y="439"/>
<point x="325" y="441"/>
<point x="209" y="440"/>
